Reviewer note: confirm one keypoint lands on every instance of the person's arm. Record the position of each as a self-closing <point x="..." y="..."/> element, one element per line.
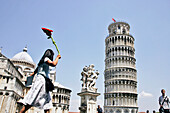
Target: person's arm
<point x="53" y="63"/>
<point x="33" y="73"/>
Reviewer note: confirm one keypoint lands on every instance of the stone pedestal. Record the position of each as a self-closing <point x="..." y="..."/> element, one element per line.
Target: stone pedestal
<point x="88" y="102"/>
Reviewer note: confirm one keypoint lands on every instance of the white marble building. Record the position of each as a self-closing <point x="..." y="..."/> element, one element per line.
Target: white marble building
<point x="120" y="72"/>
<point x="11" y="87"/>
<point x="13" y="74"/>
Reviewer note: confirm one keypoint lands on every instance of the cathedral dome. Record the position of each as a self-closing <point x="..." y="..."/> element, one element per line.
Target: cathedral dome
<point x="23" y="56"/>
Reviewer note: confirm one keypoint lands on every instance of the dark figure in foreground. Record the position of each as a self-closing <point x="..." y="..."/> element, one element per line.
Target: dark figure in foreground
<point x="99" y="109"/>
<point x="38" y="96"/>
<point x="164" y="102"/>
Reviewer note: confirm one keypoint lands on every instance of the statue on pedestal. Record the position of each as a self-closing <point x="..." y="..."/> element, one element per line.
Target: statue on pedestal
<point x="89" y="77"/>
<point x="88" y="93"/>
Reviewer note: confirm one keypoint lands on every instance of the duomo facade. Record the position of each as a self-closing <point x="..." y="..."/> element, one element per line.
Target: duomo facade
<point x="13" y="74"/>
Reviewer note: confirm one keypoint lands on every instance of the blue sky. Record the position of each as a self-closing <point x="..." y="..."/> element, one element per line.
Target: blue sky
<point x="80" y="29"/>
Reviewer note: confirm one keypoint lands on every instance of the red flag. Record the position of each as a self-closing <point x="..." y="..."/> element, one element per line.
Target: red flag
<point x="114" y="20"/>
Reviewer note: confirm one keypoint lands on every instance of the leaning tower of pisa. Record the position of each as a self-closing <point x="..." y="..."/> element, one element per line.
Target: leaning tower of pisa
<point x="120" y="71"/>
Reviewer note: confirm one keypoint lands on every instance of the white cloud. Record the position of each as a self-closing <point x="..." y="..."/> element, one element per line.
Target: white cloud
<point x="144" y="94"/>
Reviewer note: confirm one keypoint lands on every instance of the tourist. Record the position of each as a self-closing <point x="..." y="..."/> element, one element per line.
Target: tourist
<point x="164" y="102"/>
<point x="38" y="96"/>
<point x="99" y="109"/>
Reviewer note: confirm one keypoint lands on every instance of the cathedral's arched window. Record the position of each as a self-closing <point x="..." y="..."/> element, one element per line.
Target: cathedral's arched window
<point x="123" y="31"/>
<point x="118" y="37"/>
<point x="118" y="27"/>
<point x="60" y="99"/>
<point x="53" y="96"/>
<point x="5" y="87"/>
<point x="7" y="94"/>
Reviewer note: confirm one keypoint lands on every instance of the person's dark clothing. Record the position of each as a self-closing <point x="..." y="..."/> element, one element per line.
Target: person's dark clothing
<point x="166" y="110"/>
<point x="99" y="110"/>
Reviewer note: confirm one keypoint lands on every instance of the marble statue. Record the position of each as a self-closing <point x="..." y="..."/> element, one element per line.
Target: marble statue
<point x="89" y="77"/>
